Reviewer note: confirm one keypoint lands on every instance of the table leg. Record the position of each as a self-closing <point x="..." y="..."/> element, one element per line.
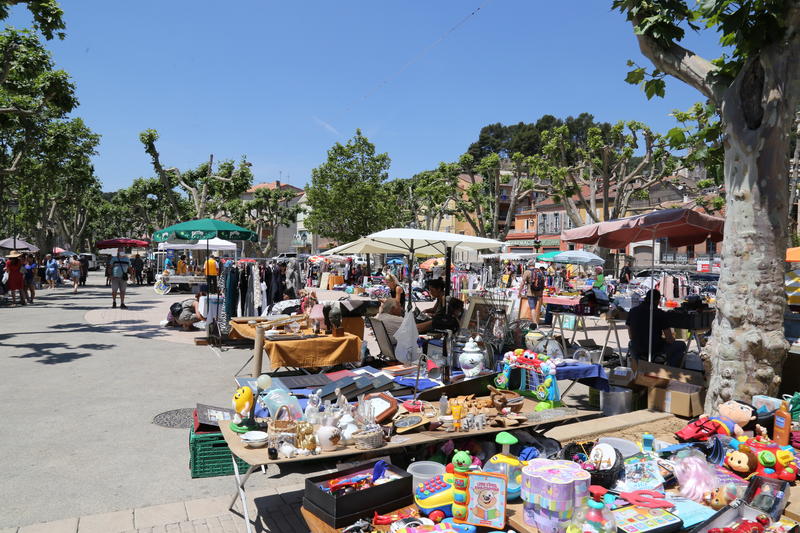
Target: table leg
<point x="240" y="493"/>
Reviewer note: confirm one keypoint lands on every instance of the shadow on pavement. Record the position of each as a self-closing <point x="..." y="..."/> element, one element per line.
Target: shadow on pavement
<point x="44" y="352"/>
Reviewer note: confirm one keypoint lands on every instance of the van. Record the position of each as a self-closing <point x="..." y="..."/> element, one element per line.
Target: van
<point x="286" y="255"/>
<point x="93" y="264"/>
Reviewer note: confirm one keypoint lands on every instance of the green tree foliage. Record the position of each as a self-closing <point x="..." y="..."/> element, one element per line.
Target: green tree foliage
<point x="526" y="138"/>
<point x="347" y="197"/>
<point x="208" y="191"/>
<point x="48" y="17"/>
<point x="604" y="166"/>
<point x="266" y="212"/>
<point x="425" y="199"/>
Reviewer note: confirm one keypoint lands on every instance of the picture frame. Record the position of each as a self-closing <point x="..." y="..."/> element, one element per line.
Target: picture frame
<point x="388" y="413"/>
<point x="486" y="500"/>
<point x="483" y="305"/>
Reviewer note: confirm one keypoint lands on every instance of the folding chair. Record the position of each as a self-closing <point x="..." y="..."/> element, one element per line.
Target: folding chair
<point x="383" y="339"/>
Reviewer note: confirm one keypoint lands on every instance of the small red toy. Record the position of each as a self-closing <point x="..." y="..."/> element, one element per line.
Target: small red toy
<point x="762" y="457"/>
<point x="759" y="525"/>
<point x="386" y="519"/>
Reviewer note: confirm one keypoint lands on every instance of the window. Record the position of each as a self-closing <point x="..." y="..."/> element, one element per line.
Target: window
<point x="556" y="223"/>
<point x="711" y="247"/>
<point x="543" y="223"/>
<point x="690" y="251"/>
<point x="571" y="246"/>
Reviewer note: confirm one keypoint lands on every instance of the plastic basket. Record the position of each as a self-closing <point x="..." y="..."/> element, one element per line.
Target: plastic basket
<point x="604" y="478"/>
<point x="209" y="456"/>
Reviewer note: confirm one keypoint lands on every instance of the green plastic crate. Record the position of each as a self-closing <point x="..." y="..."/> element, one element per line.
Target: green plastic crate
<point x="209" y="456"/>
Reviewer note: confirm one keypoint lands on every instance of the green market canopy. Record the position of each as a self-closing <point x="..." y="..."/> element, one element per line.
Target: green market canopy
<point x="205" y="228"/>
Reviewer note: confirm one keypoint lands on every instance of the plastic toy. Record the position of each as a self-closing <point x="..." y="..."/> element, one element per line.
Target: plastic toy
<point x="242" y="403"/>
<point x="650" y="499"/>
<point x="695" y="477"/>
<point x="537" y="379"/>
<point x="434" y="497"/>
<point x="552" y="490"/>
<point x="759" y="525"/>
<point x="386" y="519"/>
<point x="461" y="462"/>
<point x="643" y="520"/>
<point x="459" y="528"/>
<point x="763" y="457"/>
<point x="508" y="465"/>
<point x="721" y="496"/>
<point x="733" y="417"/>
<point x="595" y="517"/>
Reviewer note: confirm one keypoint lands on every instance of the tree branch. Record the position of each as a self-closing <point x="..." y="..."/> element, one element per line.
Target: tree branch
<point x="680" y="63"/>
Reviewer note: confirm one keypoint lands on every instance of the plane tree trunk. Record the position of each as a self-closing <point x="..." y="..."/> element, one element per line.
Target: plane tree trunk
<point x="747" y="348"/>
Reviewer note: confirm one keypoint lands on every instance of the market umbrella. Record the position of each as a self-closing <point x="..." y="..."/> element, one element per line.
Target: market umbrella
<point x="547" y="256"/>
<point x="681" y="227"/>
<point x="57" y="250"/>
<point x="121" y="243"/>
<point x="411" y="242"/>
<point x="395" y="261"/>
<point x="578" y="257"/>
<point x="205" y="228"/>
<point x="67" y="253"/>
<point x="793" y="255"/>
<point x="18" y="244"/>
<point x="317" y="259"/>
<point x="432" y="263"/>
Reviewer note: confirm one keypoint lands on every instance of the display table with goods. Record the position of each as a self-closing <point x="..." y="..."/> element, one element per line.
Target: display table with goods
<point x="298" y="347"/>
<point x="377" y="423"/>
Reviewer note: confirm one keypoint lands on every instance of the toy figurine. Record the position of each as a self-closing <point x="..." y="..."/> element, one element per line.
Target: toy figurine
<point x="759" y="525"/>
<point x="312" y="413"/>
<point x="507" y="464"/>
<point x="733" y="417"/>
<point x="305" y="438"/>
<point x="721" y="496"/>
<point x="548" y="393"/>
<point x="242" y="406"/>
<point x="460" y="465"/>
<point x="763" y="457"/>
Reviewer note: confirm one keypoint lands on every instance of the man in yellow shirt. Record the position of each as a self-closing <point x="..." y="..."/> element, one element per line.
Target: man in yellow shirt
<point x="182" y="268"/>
<point x="212" y="271"/>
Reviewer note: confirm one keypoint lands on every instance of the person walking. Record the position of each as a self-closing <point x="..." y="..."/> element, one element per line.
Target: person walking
<point x="533" y="282"/>
<point x="138" y="266"/>
<point x="84" y="260"/>
<point x="51" y="271"/>
<point x="31" y="271"/>
<point x="75" y="273"/>
<point x="16" y="282"/>
<point x="120" y="266"/>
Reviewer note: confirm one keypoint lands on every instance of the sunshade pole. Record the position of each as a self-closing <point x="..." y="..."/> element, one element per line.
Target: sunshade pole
<point x="652" y="287"/>
<point x="409" y="305"/>
<point x="448" y="259"/>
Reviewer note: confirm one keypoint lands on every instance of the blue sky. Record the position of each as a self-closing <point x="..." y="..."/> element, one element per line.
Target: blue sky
<point x="281" y="82"/>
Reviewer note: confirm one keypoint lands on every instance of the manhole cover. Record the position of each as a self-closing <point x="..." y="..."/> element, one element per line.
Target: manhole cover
<point x="177" y="418"/>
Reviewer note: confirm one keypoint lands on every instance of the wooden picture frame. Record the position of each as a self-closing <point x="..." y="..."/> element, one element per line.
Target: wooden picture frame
<point x="388" y="413"/>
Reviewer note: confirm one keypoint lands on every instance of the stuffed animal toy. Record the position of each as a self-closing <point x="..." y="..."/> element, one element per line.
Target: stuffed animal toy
<point x="733" y="417"/>
<point x="742" y="461"/>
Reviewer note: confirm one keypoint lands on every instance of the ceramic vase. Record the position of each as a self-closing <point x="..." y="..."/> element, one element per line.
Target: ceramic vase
<point x="328" y="435"/>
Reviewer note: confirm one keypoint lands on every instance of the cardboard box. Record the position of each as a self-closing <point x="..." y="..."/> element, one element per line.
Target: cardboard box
<point x="682" y="399"/>
<point x="653" y="375"/>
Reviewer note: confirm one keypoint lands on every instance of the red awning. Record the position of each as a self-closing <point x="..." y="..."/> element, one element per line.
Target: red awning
<point x="122" y="243"/>
<point x="681" y="227"/>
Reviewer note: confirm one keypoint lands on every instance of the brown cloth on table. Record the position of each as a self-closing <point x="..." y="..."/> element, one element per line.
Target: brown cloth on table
<point x="306" y="353"/>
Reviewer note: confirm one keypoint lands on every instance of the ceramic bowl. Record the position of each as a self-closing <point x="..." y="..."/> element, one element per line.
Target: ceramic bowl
<point x="255" y="439"/>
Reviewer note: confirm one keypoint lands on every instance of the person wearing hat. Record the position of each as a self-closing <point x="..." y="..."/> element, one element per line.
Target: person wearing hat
<point x="16" y="281"/>
<point x="211" y="270"/>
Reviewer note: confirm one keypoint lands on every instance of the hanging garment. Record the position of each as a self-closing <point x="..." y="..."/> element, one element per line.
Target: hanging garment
<point x="231" y="291"/>
<point x="250" y="309"/>
<point x="243" y="275"/>
<point x="257" y="303"/>
<point x="266" y="277"/>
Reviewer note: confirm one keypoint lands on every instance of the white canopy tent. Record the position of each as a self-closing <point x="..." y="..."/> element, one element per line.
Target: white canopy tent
<point x="205" y="244"/>
<point x="408" y="241"/>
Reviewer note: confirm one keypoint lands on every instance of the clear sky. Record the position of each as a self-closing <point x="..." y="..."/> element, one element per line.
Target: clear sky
<point x="281" y="81"/>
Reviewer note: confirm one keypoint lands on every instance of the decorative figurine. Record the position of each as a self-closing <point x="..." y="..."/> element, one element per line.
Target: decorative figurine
<point x="242" y="406"/>
<point x="312" y="413"/>
<point x="328" y="435"/>
<point x="471" y="359"/>
<point x="305" y="438"/>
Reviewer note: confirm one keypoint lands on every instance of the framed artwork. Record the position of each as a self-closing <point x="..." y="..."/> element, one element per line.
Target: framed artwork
<point x="480" y="308"/>
<point x="486" y="500"/>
